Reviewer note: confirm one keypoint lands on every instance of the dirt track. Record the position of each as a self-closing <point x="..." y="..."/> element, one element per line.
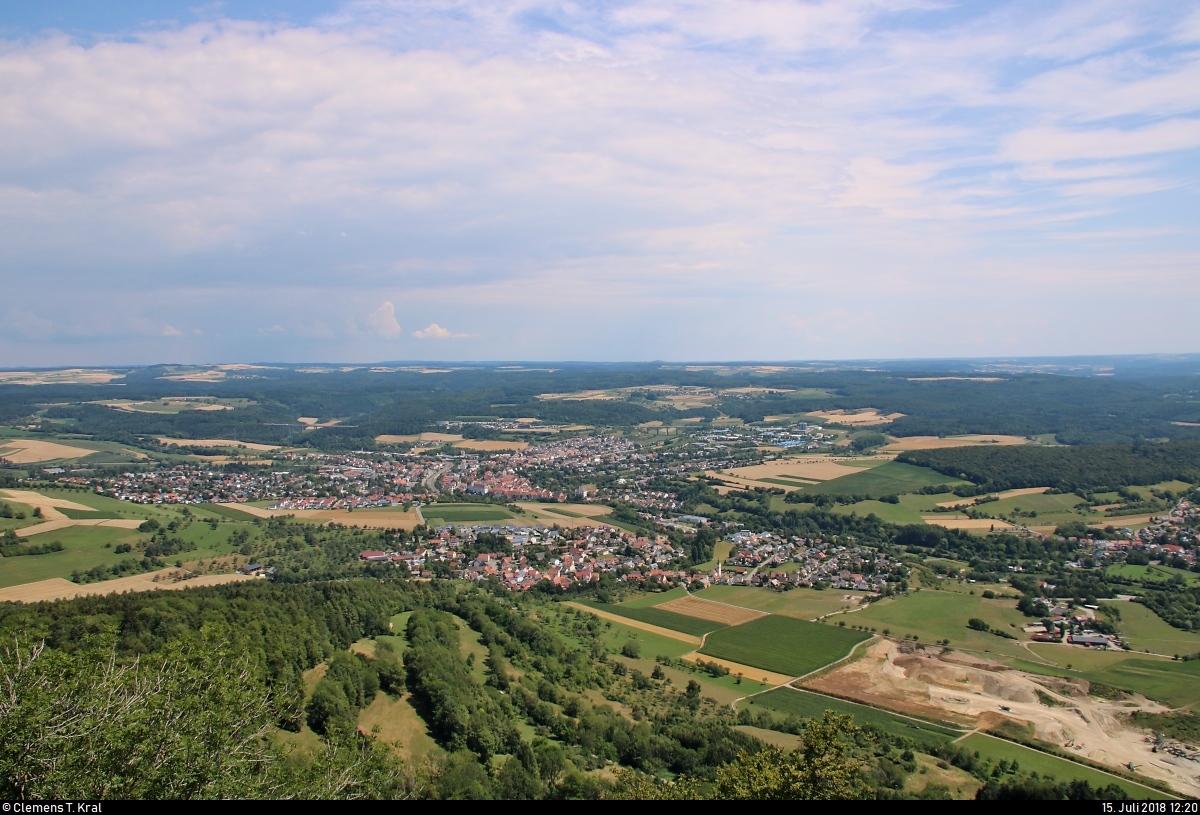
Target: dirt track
<point x="959" y="687"/>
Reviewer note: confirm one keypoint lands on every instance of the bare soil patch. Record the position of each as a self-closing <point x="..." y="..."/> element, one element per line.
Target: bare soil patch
<point x="926" y="681"/>
<point x="709" y="610"/>
<point x="32" y="451"/>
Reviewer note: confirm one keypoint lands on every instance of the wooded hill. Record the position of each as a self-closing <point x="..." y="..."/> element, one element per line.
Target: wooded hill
<point x="1088" y="467"/>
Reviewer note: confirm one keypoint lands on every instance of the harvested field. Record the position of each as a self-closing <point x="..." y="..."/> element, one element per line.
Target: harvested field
<point x="217" y="443"/>
<point x="709" y="610"/>
<point x="63" y="523"/>
<point x="490" y="445"/>
<point x="653" y="629"/>
<point x="963" y="522"/>
<point x="36" y="499"/>
<point x="570" y="510"/>
<point x="32" y="451"/>
<point x="364" y="518"/>
<point x="772" y="678"/>
<point x="59" y="589"/>
<point x="958" y="687"/>
<point x="801" y="468"/>
<point x="936" y="443"/>
<point x="864" y="417"/>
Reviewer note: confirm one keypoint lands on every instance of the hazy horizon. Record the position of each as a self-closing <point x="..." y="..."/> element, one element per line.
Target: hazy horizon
<point x="516" y="179"/>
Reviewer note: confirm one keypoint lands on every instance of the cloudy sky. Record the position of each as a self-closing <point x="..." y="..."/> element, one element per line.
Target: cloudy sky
<point x="316" y="180"/>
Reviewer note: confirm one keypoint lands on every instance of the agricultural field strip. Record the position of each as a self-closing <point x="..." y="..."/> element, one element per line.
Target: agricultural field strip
<point x="791" y="682"/>
<point x="1071" y="761"/>
<point x="36" y="499"/>
<point x="63" y="523"/>
<point x="697" y="607"/>
<point x="955" y="730"/>
<point x="632" y="623"/>
<point x="59" y="589"/>
<point x="697" y="626"/>
<point x="32" y="451"/>
<point x="777" y="630"/>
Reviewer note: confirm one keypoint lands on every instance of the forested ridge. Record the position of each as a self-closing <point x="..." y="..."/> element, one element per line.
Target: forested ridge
<point x="1076" y="409"/>
<point x="1088" y="467"/>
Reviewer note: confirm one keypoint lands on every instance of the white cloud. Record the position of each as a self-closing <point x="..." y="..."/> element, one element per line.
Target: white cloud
<point x="462" y="152"/>
<point x="171" y="331"/>
<point x="433" y="331"/>
<point x="382" y="324"/>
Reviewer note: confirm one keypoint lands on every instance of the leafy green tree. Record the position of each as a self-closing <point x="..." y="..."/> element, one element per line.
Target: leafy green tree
<point x="329" y="711"/>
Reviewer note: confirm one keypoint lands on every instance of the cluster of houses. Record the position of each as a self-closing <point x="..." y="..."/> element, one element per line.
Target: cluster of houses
<point x="479" y="479"/>
<point x="1061" y="622"/>
<point x="315" y="481"/>
<point x="562" y="557"/>
<point x="756" y="557"/>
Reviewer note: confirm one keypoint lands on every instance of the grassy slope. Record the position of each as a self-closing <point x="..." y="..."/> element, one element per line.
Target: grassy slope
<point x="1146" y="631"/>
<point x="783" y="644"/>
<point x="1173" y="683"/>
<point x="813" y="705"/>
<point x="89" y="546"/>
<point x="934" y="615"/>
<point x="893" y="513"/>
<point x="1048" y="765"/>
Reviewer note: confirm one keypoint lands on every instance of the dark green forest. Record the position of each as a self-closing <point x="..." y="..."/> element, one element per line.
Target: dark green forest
<point x="1090" y="467"/>
<point x="1075" y="409"/>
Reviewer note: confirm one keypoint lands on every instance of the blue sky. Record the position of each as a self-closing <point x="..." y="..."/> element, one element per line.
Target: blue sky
<point x="324" y="181"/>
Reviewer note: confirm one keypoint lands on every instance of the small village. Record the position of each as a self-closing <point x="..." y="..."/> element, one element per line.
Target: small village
<point x="538" y="554"/>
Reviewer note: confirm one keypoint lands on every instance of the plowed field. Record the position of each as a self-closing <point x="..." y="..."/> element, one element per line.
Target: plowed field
<point x="708" y="610"/>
